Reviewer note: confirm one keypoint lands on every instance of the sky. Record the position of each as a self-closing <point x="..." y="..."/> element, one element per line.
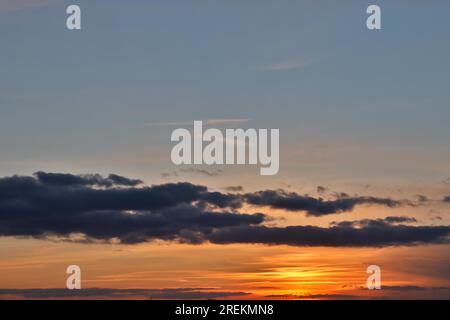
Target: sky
<point x="86" y="176"/>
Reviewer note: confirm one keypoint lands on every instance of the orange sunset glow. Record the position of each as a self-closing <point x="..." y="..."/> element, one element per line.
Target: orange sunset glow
<point x="224" y="150"/>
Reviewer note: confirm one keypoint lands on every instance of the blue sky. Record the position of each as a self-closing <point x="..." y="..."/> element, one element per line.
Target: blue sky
<point x="311" y="69"/>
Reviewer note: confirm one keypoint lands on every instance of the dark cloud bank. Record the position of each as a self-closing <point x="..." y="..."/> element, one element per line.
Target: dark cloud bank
<point x="170" y="293"/>
<point x="49" y="205"/>
<point x="279" y="199"/>
<point x="386" y="292"/>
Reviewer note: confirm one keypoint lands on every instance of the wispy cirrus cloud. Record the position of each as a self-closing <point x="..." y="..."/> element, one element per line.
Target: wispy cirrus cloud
<point x="209" y="173"/>
<point x="285" y="65"/>
<point x="205" y="122"/>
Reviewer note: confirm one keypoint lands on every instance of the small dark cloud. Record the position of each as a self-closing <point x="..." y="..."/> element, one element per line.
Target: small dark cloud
<point x="67" y="179"/>
<point x="123" y="181"/>
<point x="401" y="219"/>
<point x="321" y="189"/>
<point x="209" y="173"/>
<point x="234" y="188"/>
<point x="390" y="220"/>
<point x="169" y="174"/>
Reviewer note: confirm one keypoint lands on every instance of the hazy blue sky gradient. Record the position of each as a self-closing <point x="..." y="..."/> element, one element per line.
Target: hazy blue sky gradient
<point x="309" y="68"/>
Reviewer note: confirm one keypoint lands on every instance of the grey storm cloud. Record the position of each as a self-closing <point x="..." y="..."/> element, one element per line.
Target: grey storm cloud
<point x="338" y="236"/>
<point x="66" y="179"/>
<point x="60" y="204"/>
<point x="280" y="199"/>
<point x="390" y="220"/>
<point x="88" y="208"/>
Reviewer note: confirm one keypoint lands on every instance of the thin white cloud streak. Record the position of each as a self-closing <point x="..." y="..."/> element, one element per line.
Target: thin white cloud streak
<point x="207" y="122"/>
<point x="284" y="66"/>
